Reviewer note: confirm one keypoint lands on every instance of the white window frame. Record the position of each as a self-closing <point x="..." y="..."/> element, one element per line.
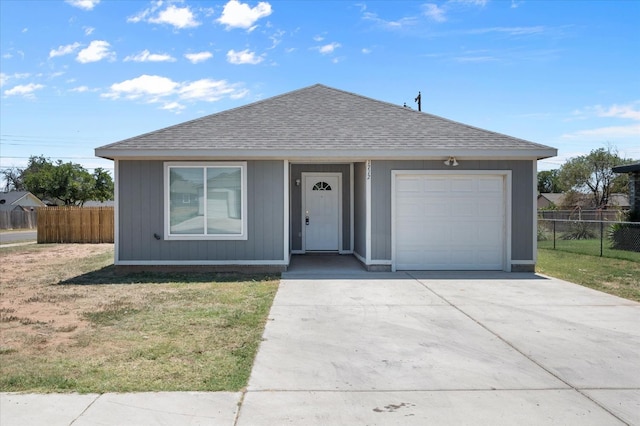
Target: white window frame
<point x="203" y="165"/>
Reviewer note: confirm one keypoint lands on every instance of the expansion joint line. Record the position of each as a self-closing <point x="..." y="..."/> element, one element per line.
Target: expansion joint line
<point x="515" y="348"/>
<point x="85" y="410"/>
<point x="240" y="404"/>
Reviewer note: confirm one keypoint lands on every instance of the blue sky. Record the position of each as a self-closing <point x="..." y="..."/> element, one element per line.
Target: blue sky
<point x="78" y="74"/>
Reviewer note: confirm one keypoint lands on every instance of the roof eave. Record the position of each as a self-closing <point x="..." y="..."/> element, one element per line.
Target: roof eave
<point x="306" y="154"/>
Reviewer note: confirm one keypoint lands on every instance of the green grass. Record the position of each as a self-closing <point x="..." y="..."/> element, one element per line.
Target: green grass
<point x="590" y="247"/>
<point x="136" y="332"/>
<point x="617" y="276"/>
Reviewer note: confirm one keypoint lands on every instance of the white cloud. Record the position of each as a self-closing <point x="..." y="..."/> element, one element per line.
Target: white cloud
<point x="97" y="51"/>
<point x="157" y="89"/>
<point x="433" y="12"/>
<point x="513" y="31"/>
<point x="196" y="58"/>
<point x="25" y="90"/>
<point x="366" y="50"/>
<point x="318" y="38"/>
<point x="206" y="90"/>
<point x="142" y="16"/>
<point x="4" y="78"/>
<point x="329" y="48"/>
<point x="173" y="106"/>
<point x="606" y="133"/>
<point x="629" y="111"/>
<point x="83" y="4"/>
<point x="80" y="89"/>
<point x="620" y="111"/>
<point x="144" y="86"/>
<point x="146" y="56"/>
<point x="179" y="17"/>
<point x="88" y="31"/>
<point x="480" y="3"/>
<point x="241" y="15"/>
<point x="243" y="57"/>
<point x="64" y="50"/>
<point x="399" y="24"/>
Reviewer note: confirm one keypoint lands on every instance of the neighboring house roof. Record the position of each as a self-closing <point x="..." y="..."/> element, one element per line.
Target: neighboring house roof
<point x="92" y="203"/>
<point x="627" y="169"/>
<point x="12" y="199"/>
<point x="582" y="200"/>
<point x="322" y="122"/>
<point x="619" y="200"/>
<point x="555" y="198"/>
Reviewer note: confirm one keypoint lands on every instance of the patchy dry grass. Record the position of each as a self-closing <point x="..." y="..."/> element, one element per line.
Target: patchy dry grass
<point x="69" y="322"/>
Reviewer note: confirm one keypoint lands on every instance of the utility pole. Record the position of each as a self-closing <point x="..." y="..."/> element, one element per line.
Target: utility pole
<point x="418" y="99"/>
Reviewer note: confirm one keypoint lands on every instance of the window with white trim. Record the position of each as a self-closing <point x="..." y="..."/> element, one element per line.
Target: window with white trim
<point x="205" y="200"/>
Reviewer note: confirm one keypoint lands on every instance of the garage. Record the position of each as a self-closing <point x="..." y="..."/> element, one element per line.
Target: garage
<point x="448" y="221"/>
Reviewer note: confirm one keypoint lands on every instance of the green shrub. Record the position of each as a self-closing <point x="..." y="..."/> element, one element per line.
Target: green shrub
<point x="580" y="231"/>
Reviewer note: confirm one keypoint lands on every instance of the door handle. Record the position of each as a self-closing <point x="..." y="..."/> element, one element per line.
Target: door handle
<point x="306" y="218"/>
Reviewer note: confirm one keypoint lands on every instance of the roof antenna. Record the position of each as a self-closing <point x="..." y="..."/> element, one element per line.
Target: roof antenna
<point x="418" y="99"/>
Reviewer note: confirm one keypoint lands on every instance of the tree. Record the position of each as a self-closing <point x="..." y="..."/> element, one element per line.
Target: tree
<point x="66" y="183"/>
<point x="13" y="179"/>
<point x="103" y="185"/>
<point x="592" y="174"/>
<point x="548" y="182"/>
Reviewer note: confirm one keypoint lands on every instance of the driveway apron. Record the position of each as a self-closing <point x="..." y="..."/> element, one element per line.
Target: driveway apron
<point x="445" y="348"/>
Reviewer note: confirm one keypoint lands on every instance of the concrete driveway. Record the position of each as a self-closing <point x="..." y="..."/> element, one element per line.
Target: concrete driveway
<point x="445" y="348"/>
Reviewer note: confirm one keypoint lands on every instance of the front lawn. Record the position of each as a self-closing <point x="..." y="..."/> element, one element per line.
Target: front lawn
<point x="620" y="277"/>
<point x="590" y="247"/>
<point x="70" y="323"/>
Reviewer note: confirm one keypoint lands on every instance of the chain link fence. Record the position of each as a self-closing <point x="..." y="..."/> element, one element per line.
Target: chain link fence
<point x="593" y="237"/>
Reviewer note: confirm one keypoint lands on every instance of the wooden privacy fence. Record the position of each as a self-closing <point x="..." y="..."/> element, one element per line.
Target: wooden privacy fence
<point x="18" y="219"/>
<point x="75" y="225"/>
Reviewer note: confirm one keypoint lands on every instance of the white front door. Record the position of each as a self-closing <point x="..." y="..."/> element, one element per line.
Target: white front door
<point x="321" y="211"/>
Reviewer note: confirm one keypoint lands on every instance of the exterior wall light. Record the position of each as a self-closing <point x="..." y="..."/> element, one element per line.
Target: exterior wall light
<point x="451" y="161"/>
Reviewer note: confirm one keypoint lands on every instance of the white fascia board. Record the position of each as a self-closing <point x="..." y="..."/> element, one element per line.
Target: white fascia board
<point x="294" y="155"/>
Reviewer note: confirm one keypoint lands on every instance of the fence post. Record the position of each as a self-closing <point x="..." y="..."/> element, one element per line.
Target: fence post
<point x="554" y="234"/>
<point x="601" y="235"/>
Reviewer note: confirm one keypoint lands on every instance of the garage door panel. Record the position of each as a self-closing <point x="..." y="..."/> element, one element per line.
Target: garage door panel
<point x="452" y="223"/>
<point x="462" y="208"/>
<point x="435" y="186"/>
<point x="462" y="185"/>
<point x="490" y="185"/>
<point x="409" y="185"/>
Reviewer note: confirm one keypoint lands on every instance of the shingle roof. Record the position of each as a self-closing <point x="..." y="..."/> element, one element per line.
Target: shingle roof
<point x="9" y="200"/>
<point x="320" y="121"/>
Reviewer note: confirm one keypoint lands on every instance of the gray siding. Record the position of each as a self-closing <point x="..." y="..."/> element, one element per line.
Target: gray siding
<point x="141" y="210"/>
<point x="521" y="201"/>
<point x="296" y="201"/>
<point x="360" y="209"/>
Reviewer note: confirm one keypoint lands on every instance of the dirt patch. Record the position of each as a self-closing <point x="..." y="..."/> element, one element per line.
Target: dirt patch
<point x="36" y="311"/>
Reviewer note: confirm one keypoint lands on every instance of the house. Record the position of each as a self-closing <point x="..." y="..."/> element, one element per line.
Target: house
<point x="549" y="200"/>
<point x="19" y="200"/>
<point x="634" y="184"/>
<point x="324" y="170"/>
<point x="95" y="203"/>
<point x="579" y="201"/>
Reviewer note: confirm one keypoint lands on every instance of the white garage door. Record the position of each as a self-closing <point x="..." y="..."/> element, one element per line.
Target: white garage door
<point x="449" y="222"/>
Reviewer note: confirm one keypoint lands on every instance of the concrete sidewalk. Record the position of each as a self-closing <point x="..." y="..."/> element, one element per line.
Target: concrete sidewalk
<point x="407" y="349"/>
